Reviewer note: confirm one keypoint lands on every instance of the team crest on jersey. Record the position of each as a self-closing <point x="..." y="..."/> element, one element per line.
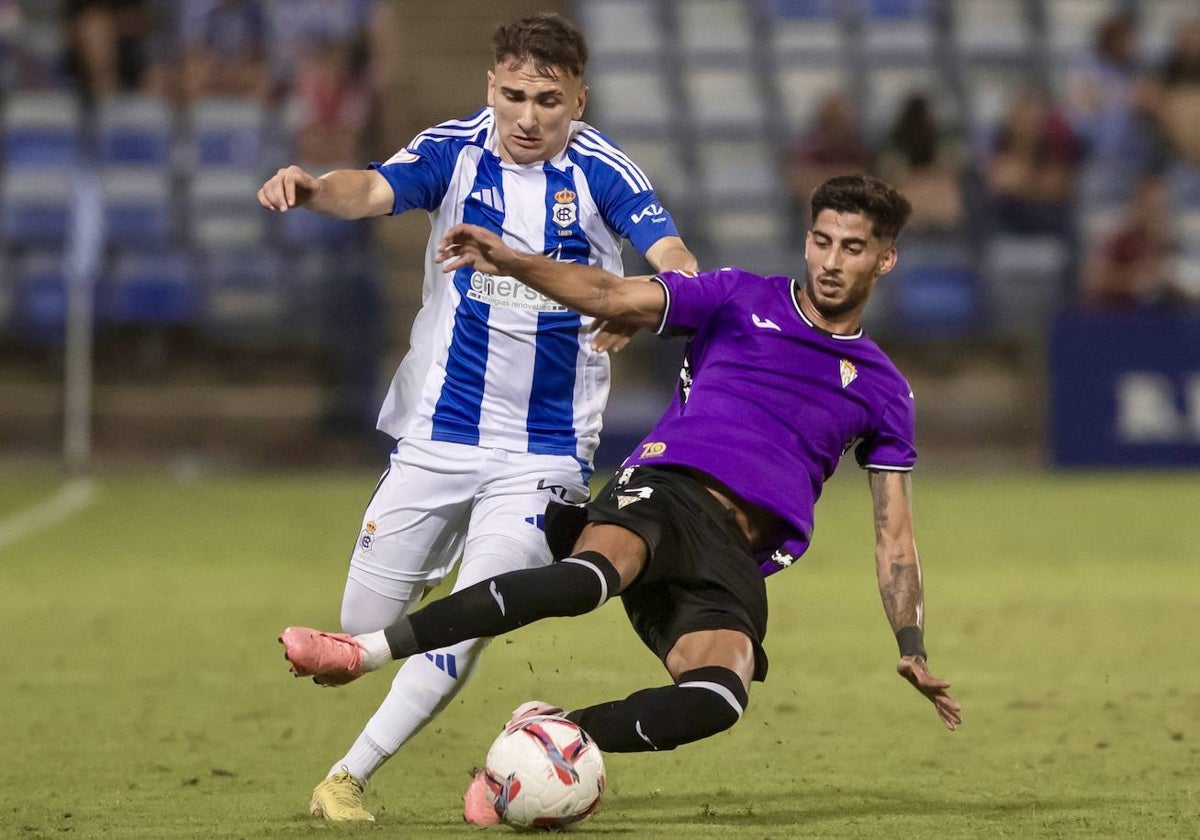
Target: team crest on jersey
<point x="849" y="372"/>
<point x="565" y="212"/>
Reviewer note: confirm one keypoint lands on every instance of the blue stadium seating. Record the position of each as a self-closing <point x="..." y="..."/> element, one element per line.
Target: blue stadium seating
<point x="320" y="231"/>
<point x="152" y="288"/>
<point x="133" y="130"/>
<point x="41" y="299"/>
<point x="137" y="206"/>
<point x="228" y="133"/>
<point x="246" y="300"/>
<point x="223" y="210"/>
<point x="41" y="130"/>
<point x="35" y="205"/>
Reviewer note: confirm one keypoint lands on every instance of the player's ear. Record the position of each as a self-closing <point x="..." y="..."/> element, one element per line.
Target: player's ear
<point x="887" y="260"/>
<point x="580" y="102"/>
<point x="491" y="89"/>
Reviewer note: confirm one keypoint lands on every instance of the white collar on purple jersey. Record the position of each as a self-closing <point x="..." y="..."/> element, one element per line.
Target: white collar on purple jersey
<point x="796" y="303"/>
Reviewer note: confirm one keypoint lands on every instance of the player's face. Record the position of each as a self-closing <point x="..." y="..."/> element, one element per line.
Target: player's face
<point x="534" y="110"/>
<point x="843" y="260"/>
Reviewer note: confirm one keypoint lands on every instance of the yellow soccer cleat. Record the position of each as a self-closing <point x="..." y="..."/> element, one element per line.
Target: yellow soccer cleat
<point x="340" y="798"/>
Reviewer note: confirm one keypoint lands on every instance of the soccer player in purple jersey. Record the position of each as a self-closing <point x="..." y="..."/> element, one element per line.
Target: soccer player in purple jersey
<point x="779" y="382"/>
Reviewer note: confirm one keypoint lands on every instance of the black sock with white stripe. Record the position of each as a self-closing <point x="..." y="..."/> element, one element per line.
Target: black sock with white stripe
<point x="573" y="586"/>
<point x="704" y="702"/>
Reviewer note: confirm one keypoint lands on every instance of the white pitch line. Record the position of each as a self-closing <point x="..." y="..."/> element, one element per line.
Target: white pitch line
<point x="71" y="498"/>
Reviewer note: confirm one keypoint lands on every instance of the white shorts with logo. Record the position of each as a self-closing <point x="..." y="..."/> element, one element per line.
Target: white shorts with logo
<point x="439" y="501"/>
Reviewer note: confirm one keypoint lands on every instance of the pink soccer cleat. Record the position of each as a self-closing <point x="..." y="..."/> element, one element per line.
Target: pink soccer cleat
<point x="477" y="807"/>
<point x="331" y="659"/>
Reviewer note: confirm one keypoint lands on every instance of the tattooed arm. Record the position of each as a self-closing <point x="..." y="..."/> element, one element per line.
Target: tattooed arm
<point x="899" y="572"/>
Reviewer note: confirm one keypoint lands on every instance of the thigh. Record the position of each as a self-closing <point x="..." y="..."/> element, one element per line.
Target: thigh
<point x="415" y="524"/>
<point x="507" y="520"/>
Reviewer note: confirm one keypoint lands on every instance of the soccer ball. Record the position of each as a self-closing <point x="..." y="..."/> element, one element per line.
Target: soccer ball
<point x="544" y="772"/>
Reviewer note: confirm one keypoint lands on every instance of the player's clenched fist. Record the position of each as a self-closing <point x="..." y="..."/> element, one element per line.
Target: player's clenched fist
<point x="289" y="187"/>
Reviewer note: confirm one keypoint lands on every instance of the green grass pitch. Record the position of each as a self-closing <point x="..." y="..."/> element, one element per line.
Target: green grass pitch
<point x="143" y="694"/>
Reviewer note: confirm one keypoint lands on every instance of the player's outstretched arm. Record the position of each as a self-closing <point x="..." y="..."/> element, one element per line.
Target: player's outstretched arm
<point x="667" y="254"/>
<point x="899" y="572"/>
<point x="584" y="288"/>
<point x="343" y="193"/>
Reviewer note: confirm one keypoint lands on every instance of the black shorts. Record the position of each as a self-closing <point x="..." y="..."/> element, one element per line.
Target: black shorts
<point x="700" y="574"/>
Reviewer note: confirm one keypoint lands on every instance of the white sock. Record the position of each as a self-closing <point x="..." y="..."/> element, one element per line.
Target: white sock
<point x="376" y="651"/>
<point x="364" y="758"/>
<point x="422" y="687"/>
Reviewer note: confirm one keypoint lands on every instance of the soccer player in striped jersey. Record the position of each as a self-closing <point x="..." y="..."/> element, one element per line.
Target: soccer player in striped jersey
<point x="780" y="383"/>
<point x="496" y="408"/>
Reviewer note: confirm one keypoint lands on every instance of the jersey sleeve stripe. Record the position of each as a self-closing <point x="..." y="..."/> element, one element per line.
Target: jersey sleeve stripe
<point x="887" y="468"/>
<point x="596" y="140"/>
<point x="666" y="306"/>
<point x="615" y="158"/>
<point x="625" y="176"/>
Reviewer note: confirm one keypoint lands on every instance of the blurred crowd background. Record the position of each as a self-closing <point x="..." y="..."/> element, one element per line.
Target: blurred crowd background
<point x="1051" y="149"/>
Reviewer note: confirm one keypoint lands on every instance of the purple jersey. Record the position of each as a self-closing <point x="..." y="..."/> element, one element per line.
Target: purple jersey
<point x="768" y="403"/>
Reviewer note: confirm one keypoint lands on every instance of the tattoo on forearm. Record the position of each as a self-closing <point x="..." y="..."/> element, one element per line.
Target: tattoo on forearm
<point x="902" y="595"/>
<point x="879" y="494"/>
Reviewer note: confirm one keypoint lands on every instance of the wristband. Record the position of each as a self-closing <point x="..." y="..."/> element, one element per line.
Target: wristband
<point x="912" y="641"/>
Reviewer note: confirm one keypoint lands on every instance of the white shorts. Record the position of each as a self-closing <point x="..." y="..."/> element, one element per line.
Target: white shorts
<point x="440" y="500"/>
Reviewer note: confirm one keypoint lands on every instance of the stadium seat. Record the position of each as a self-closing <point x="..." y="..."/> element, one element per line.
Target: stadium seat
<point x="992" y="29"/>
<point x="1187" y="230"/>
<point x="726" y="97"/>
<point x="732" y="170"/>
<point x="630" y="101"/>
<point x="41" y="299"/>
<point x="148" y="289"/>
<point x="991" y="89"/>
<point x="748" y="237"/>
<point x="1187" y="275"/>
<point x="133" y="130"/>
<point x="715" y="27"/>
<point x="806" y="29"/>
<point x="137" y="206"/>
<point x="620" y="28"/>
<point x="318" y="230"/>
<point x="223" y="210"/>
<point x="35" y="205"/>
<point x="899" y="29"/>
<point x="1103" y="185"/>
<point x="660" y="160"/>
<point x="42" y="129"/>
<point x="245" y="300"/>
<point x="1025" y="282"/>
<point x="228" y="132"/>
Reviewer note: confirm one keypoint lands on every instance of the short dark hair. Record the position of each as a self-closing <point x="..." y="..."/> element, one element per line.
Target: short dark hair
<point x="548" y="40"/>
<point x="879" y="201"/>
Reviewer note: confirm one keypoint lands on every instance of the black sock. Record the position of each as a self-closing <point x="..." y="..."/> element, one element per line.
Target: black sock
<point x="573" y="586"/>
<point x="704" y="702"/>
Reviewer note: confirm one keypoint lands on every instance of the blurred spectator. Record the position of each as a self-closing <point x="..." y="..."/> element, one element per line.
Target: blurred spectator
<point x="329" y="106"/>
<point x="1133" y="265"/>
<point x="1179" y="103"/>
<point x="1031" y="170"/>
<point x="1110" y="102"/>
<point x="224" y="49"/>
<point x="357" y="41"/>
<point x="925" y="164"/>
<point x="114" y="46"/>
<point x="832" y="145"/>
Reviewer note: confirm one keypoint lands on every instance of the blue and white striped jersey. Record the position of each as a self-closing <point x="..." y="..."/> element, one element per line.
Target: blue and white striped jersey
<point x="492" y="362"/>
